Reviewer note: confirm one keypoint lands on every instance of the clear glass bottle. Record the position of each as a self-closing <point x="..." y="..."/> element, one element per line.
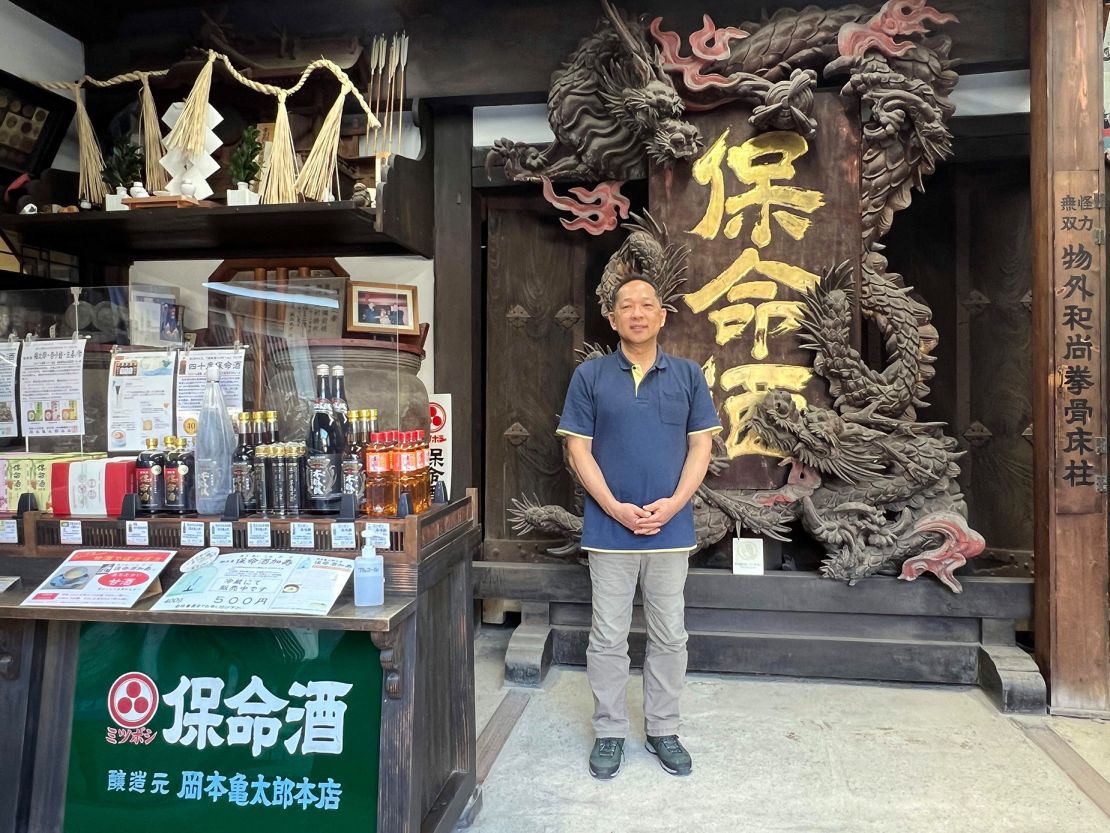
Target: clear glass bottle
<point x="215" y="449"/>
<point x="324" y="445"/>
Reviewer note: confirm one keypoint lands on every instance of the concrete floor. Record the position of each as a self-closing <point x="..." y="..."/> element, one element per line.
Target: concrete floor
<point x="776" y="755"/>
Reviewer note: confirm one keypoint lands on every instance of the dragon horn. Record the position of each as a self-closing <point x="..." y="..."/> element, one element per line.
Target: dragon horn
<point x="634" y="45"/>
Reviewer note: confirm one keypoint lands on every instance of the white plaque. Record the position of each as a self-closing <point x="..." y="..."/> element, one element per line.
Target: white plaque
<point x="192" y="533"/>
<point x="302" y="535"/>
<point x="70" y="532"/>
<point x="9" y="531"/>
<point x="219" y="534"/>
<point x="379" y="536"/>
<point x="258" y="534"/>
<point x="138" y="534"/>
<point x="747" y="556"/>
<point x="343" y="536"/>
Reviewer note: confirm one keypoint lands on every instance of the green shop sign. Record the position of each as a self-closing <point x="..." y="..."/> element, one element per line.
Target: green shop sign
<point x="219" y="729"/>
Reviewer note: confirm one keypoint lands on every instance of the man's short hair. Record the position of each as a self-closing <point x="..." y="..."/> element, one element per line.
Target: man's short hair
<point x="629" y="280"/>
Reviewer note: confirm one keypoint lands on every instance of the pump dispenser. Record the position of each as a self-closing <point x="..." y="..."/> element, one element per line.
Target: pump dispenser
<point x="369" y="574"/>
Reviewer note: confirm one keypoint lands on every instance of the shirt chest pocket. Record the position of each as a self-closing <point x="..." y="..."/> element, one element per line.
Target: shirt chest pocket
<point x="674" y="409"/>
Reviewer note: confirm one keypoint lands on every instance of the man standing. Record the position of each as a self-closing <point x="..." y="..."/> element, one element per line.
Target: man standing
<point x="639" y="426"/>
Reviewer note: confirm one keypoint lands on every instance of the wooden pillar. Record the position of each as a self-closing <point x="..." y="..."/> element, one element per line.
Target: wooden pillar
<point x="1067" y="172"/>
<point x="458" y="291"/>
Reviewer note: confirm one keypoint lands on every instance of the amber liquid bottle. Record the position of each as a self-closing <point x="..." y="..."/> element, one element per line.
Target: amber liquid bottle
<point x="381" y="482"/>
<point x="408" y="479"/>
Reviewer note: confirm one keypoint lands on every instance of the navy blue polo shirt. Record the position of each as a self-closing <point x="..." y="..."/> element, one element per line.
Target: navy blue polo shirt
<point x="639" y="441"/>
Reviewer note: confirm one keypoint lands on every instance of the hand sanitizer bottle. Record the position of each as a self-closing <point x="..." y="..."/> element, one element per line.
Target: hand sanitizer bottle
<point x="369" y="575"/>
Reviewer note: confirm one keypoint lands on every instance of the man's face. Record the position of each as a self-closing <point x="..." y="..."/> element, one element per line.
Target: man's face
<point x="637" y="315"/>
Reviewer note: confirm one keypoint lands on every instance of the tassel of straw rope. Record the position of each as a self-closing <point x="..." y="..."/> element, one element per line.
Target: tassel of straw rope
<point x="279" y="183"/>
<point x="91" y="161"/>
<point x="315" y="177"/>
<point x="156" y="178"/>
<point x="189" y="132"/>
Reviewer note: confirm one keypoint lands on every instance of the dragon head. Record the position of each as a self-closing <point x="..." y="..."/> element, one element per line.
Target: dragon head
<point x="777" y="421"/>
<point x="653" y="112"/>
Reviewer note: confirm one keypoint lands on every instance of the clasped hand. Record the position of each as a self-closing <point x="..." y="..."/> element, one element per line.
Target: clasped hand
<point x="646" y="520"/>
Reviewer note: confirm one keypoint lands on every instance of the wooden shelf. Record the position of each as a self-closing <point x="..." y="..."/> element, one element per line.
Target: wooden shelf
<point x="344" y="616"/>
<point x="185" y="233"/>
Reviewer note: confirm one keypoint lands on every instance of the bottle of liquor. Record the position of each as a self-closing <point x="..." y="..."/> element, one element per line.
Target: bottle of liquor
<point x="381" y="482"/>
<point x="215" y="449"/>
<point x="150" y="487"/>
<point x="242" y="464"/>
<point x="339" y="399"/>
<point x="324" y="446"/>
<point x="258" y="427"/>
<point x="188" y="467"/>
<point x="172" y="477"/>
<point x="262" y="479"/>
<point x="279" y="481"/>
<point x="371" y="422"/>
<point x="354" y="464"/>
<point x="294" y="462"/>
<point x="408" y="476"/>
<point x="271" y="427"/>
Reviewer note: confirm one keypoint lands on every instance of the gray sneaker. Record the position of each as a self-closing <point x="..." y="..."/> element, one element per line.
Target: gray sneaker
<point x="606" y="758"/>
<point x="672" y="755"/>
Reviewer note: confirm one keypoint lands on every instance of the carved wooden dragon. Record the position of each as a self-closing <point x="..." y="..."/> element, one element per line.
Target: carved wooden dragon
<point x="876" y="487"/>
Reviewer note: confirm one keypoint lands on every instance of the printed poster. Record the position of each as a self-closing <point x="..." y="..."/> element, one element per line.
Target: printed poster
<point x="140" y="398"/>
<point x="101" y="578"/>
<point x="439" y="440"/>
<point x="9" y="361"/>
<point x="271" y="582"/>
<point x="51" y="388"/>
<point x="192" y="370"/>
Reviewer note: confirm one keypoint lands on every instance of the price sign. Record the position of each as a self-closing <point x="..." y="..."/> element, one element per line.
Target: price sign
<point x="379" y="536"/>
<point x="192" y="533"/>
<point x="71" y="532"/>
<point x="9" y="532"/>
<point x="258" y="534"/>
<point x="219" y="534"/>
<point x="343" y="536"/>
<point x="138" y="534"/>
<point x="302" y="535"/>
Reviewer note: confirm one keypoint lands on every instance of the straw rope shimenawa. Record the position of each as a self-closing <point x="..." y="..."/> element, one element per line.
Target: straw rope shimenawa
<point x="280" y="183"/>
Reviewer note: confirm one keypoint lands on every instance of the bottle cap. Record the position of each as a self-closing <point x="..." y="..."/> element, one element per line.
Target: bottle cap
<point x="212" y="374"/>
<point x="337" y="370"/>
<point x="271" y="414"/>
<point x="256" y="416"/>
<point x="321" y="370"/>
<point x="371" y="413"/>
<point x="152" y="442"/>
<point x="170" y="440"/>
<point x="356" y="414"/>
<point x="244" y="416"/>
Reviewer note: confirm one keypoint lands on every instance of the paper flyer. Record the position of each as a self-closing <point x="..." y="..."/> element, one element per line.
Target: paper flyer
<point x="192" y="369"/>
<point x="140" y="398"/>
<point x="9" y="361"/>
<point x="51" y="388"/>
<point x="101" y="578"/>
<point x="256" y="582"/>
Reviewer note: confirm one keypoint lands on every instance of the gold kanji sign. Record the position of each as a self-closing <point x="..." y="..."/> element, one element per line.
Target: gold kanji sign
<point x="764" y="216"/>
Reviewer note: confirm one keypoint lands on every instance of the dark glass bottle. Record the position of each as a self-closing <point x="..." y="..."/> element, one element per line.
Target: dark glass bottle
<point x="279" y="480"/>
<point x="187" y="466"/>
<point x="294" y="465"/>
<point x="172" y="477"/>
<point x="262" y="479"/>
<point x="354" y="466"/>
<point x="324" y="446"/>
<point x="271" y="427"/>
<point x="242" y="464"/>
<point x="339" y="400"/>
<point x="149" y="486"/>
<point x="258" y="428"/>
<point x="371" y="415"/>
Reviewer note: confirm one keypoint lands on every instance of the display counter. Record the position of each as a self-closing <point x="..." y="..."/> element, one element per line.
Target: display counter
<point x="362" y="719"/>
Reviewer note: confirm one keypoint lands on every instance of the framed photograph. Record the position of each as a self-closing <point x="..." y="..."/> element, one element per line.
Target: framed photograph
<point x="382" y="308"/>
<point x="33" y="123"/>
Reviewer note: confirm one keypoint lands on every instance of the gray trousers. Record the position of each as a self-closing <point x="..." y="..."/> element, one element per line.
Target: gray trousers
<point x="662" y="577"/>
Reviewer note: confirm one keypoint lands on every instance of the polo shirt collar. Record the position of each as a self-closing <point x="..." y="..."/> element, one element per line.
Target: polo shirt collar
<point x="625" y="364"/>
